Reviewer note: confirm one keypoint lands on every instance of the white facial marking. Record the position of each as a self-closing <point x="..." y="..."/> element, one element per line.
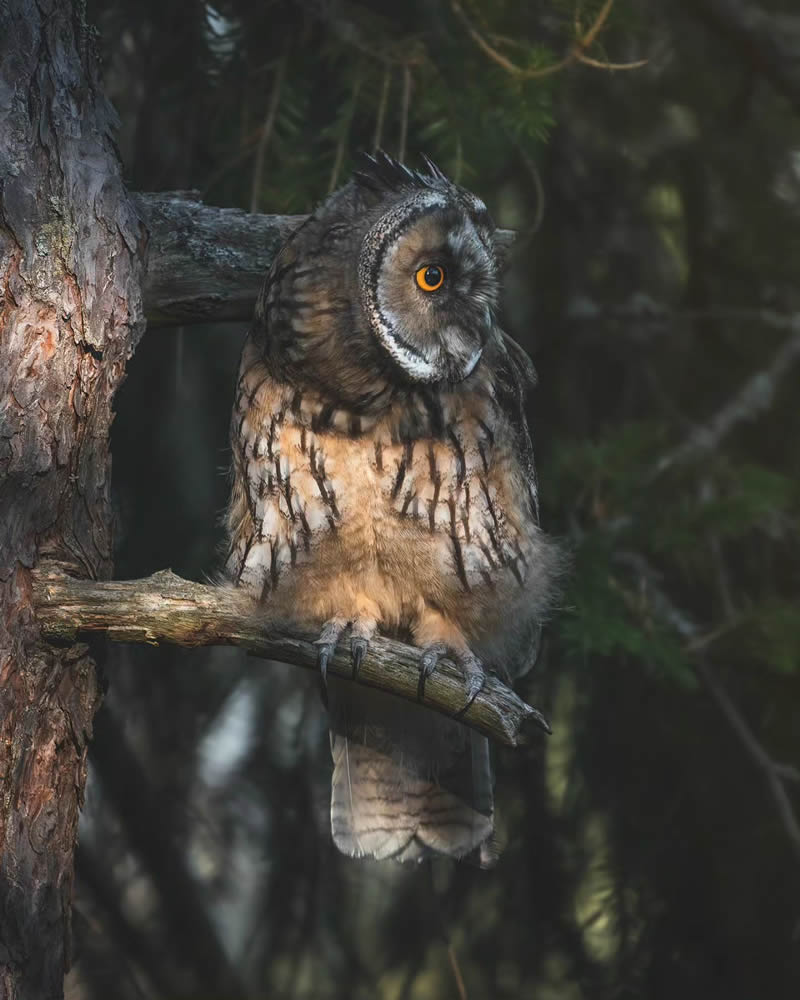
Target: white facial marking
<point x="382" y="321"/>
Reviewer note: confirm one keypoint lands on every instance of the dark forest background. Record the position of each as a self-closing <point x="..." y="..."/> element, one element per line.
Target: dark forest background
<point x="653" y="845"/>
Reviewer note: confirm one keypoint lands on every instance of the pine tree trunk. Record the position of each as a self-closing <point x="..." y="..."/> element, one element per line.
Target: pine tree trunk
<point x="70" y="315"/>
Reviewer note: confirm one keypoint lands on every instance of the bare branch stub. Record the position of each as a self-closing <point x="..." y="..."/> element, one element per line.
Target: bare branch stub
<point x="206" y="264"/>
<point x="166" y="608"/>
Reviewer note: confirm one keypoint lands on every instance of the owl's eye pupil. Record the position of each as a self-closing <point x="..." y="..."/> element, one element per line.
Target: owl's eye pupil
<point x="430" y="277"/>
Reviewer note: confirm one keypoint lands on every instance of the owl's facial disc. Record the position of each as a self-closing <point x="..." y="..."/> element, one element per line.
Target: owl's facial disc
<point x="429" y="285"/>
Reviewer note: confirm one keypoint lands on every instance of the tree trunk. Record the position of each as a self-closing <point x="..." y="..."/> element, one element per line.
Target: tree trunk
<point x="70" y="316"/>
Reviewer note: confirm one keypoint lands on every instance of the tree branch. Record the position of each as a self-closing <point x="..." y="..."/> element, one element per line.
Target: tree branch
<point x="576" y="52"/>
<point x="206" y="264"/>
<point x="165" y="608"/>
<point x="755" y="396"/>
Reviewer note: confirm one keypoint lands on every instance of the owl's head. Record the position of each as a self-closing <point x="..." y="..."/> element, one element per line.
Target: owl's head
<point x="390" y="286"/>
<point x="427" y="269"/>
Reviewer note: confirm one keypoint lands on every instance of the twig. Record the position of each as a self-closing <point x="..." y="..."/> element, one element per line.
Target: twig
<point x="538" y="188"/>
<point x="609" y="66"/>
<point x="404" y="107"/>
<point x="165" y="608"/>
<point x="755" y="396"/>
<point x="338" y="159"/>
<point x="268" y="126"/>
<point x="774" y="774"/>
<point x="382" y="104"/>
<point x="577" y="53"/>
<point x="462" y="989"/>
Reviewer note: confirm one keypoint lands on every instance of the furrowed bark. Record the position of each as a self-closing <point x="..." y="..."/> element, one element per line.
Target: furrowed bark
<point x="70" y="315"/>
<point x="165" y="608"/>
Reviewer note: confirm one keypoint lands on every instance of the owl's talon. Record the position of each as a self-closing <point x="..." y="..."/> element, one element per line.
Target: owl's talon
<point x="324" y="654"/>
<point x="427" y="664"/>
<point x="475" y="684"/>
<point x="358" y="650"/>
<point x="326" y="645"/>
<point x="474" y="675"/>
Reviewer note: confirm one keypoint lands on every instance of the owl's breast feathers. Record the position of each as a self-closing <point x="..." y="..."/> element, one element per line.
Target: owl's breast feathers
<point x="430" y="500"/>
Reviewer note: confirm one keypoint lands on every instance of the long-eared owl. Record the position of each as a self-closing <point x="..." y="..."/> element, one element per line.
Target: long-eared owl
<point x="383" y="480"/>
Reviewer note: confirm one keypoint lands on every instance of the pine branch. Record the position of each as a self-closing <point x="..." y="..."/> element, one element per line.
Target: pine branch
<point x="165" y="608"/>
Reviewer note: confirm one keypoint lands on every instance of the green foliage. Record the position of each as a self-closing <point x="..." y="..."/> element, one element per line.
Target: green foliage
<point x="617" y="505"/>
<point x="604" y="616"/>
<point x="463" y="109"/>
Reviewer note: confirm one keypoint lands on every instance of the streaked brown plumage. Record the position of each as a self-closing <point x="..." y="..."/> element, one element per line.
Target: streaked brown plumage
<point x="383" y="478"/>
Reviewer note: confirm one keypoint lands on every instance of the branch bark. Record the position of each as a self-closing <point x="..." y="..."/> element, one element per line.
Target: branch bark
<point x="205" y="264"/>
<point x="165" y="608"/>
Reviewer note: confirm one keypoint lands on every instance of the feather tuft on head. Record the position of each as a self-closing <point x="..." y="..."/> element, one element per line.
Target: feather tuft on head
<point x="381" y="173"/>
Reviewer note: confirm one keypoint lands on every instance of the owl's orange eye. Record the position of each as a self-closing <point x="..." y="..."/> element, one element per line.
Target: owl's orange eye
<point x="430" y="277"/>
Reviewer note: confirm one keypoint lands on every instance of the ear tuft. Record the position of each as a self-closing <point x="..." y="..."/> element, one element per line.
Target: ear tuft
<point x="382" y="173"/>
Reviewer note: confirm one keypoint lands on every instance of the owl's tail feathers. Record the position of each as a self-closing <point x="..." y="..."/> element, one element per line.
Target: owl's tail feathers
<point x="408" y="784"/>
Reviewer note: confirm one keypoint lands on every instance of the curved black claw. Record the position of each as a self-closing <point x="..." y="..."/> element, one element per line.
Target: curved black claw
<point x="358" y="650"/>
<point x="427" y="665"/>
<point x="474" y="675"/>
<point x="326" y="644"/>
<point x="540" y="720"/>
<point x="324" y="653"/>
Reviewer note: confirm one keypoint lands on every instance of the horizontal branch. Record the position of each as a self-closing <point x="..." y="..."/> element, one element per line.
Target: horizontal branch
<point x="165" y="608"/>
<point x="206" y="264"/>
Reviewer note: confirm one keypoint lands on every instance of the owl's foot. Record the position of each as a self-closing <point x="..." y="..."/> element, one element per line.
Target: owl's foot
<point x="474" y="674"/>
<point x="361" y="631"/>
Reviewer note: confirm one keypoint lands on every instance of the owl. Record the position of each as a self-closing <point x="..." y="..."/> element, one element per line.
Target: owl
<point x="383" y="481"/>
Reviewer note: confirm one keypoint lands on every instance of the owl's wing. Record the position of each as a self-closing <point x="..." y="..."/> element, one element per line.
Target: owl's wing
<point x="283" y="502"/>
<point x="515" y="377"/>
